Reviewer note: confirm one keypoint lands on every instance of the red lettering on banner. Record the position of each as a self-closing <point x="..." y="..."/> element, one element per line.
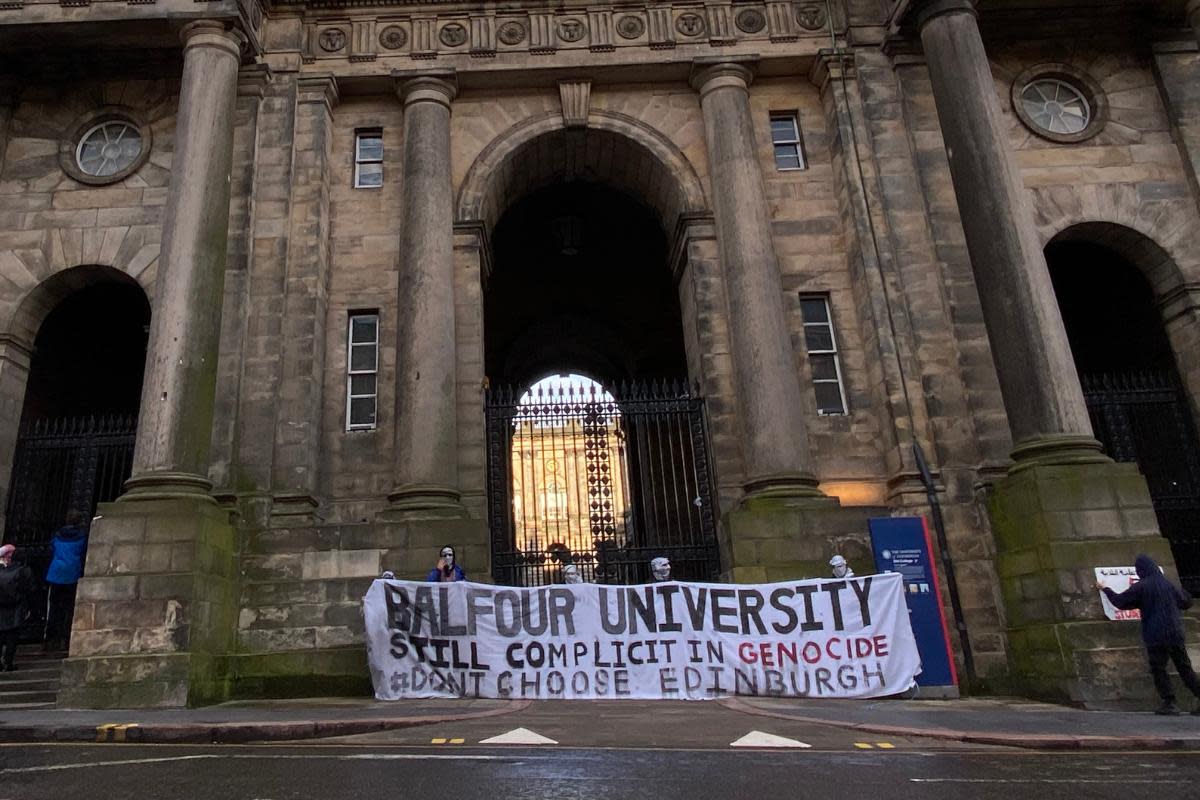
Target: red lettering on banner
<point x="829" y="648"/>
<point x="881" y="645"/>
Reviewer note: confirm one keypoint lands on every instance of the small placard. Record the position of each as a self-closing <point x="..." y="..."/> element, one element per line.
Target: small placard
<point x="1118" y="579"/>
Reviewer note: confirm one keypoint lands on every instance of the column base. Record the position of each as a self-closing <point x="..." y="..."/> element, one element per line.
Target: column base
<point x="157" y="609"/>
<point x="802" y="485"/>
<point x="164" y="485"/>
<point x="1053" y="526"/>
<point x="1057" y="449"/>
<point x="423" y="500"/>
<point x="293" y="509"/>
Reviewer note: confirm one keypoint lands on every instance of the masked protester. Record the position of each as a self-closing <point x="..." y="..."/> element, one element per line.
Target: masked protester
<point x="1159" y="602"/>
<point x="15" y="581"/>
<point x="68" y="551"/>
<point x="446" y="570"/>
<point x="840" y="568"/>
<point x="660" y="568"/>
<point x="571" y="575"/>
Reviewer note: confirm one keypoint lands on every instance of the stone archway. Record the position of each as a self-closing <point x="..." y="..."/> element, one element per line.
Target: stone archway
<point x="1132" y="339"/>
<point x="591" y="269"/>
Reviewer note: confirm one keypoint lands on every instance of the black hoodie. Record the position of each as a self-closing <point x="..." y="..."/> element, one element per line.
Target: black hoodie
<point x="1159" y="600"/>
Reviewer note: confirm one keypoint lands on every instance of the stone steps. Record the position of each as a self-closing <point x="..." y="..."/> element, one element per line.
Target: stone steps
<point x="34" y="683"/>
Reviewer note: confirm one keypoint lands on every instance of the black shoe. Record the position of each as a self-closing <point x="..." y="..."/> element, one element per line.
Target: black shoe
<point x="1168" y="710"/>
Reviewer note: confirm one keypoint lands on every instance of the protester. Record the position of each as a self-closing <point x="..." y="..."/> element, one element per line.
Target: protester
<point x="68" y="550"/>
<point x="660" y="568"/>
<point x="571" y="575"/>
<point x="840" y="568"/>
<point x="446" y="570"/>
<point x="1159" y="602"/>
<point x="14" y="588"/>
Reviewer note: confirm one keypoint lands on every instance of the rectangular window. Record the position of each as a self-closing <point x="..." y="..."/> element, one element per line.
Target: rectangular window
<point x="823" y="354"/>
<point x="368" y="159"/>
<point x="362" y="373"/>
<point x="785" y="136"/>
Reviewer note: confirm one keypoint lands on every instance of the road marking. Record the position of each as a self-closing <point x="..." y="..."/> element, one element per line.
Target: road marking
<point x="885" y="745"/>
<point x="519" y="736"/>
<point x="119" y="731"/>
<point x="444" y="740"/>
<point x="437" y="741"/>
<point x="864" y="746"/>
<point x="457" y="741"/>
<point x="760" y="739"/>
<point x="1106" y="781"/>
<point x="258" y="756"/>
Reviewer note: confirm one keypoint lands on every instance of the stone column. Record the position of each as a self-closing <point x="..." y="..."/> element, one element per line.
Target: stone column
<point x="1041" y="391"/>
<point x="775" y="441"/>
<point x="175" y="423"/>
<point x="426" y="449"/>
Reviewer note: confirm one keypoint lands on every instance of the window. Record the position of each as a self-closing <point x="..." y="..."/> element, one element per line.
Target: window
<point x="368" y="160"/>
<point x="785" y="135"/>
<point x="823" y="354"/>
<point x="1059" y="103"/>
<point x="362" y="374"/>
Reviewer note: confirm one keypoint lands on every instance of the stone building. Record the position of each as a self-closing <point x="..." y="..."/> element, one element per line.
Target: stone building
<point x="325" y="239"/>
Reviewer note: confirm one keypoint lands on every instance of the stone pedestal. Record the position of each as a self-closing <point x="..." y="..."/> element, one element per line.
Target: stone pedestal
<point x="768" y="540"/>
<point x="157" y="608"/>
<point x="1053" y="526"/>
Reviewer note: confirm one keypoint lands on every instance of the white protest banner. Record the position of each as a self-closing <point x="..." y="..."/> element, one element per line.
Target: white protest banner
<point x="817" y="638"/>
<point x="1118" y="579"/>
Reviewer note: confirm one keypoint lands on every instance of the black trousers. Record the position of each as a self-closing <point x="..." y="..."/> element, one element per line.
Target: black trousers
<point x="60" y="610"/>
<point x="8" y="646"/>
<point x="1159" y="656"/>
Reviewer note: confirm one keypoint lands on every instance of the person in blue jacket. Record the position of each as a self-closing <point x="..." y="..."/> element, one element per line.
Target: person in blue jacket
<point x="68" y="549"/>
<point x="446" y="570"/>
<point x="1159" y="602"/>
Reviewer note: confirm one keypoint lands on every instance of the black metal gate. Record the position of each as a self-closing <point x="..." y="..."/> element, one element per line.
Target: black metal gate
<point x="59" y="465"/>
<point x="604" y="481"/>
<point x="1144" y="417"/>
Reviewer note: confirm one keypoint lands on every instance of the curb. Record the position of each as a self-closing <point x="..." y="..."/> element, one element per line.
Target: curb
<point x="1031" y="741"/>
<point x="233" y="732"/>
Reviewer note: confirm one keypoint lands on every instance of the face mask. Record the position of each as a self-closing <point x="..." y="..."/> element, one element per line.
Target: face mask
<point x="448" y="557"/>
<point x="839" y="571"/>
<point x="661" y="571"/>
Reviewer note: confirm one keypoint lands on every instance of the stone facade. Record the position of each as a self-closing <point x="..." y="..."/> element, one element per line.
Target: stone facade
<point x="254" y="519"/>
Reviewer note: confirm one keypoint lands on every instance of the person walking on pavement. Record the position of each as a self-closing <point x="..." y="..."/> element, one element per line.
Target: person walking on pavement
<point x="68" y="550"/>
<point x="1160" y="602"/>
<point x="15" y="581"/>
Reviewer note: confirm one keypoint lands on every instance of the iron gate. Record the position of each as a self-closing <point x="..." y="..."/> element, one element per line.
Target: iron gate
<point x="604" y="481"/>
<point x="59" y="465"/>
<point x="1144" y="417"/>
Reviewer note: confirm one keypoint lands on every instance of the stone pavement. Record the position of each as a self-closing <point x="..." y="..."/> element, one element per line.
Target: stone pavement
<point x="991" y="721"/>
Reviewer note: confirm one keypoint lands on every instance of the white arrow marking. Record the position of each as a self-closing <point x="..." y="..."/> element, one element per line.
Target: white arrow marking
<point x="519" y="736"/>
<point x="760" y="739"/>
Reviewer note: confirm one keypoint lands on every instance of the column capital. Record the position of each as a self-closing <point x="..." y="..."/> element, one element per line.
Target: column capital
<point x="426" y="86"/>
<point x="318" y="89"/>
<point x="212" y="33"/>
<point x="924" y="11"/>
<point x="253" y="80"/>
<point x="830" y="63"/>
<point x="716" y="72"/>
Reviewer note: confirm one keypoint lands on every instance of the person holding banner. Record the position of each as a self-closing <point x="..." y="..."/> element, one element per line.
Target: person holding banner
<point x="1159" y="602"/>
<point x="446" y="570"/>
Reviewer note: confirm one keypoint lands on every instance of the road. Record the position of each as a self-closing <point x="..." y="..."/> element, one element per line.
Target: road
<point x="616" y="750"/>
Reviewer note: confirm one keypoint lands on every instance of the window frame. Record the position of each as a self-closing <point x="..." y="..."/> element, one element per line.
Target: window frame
<point x="351" y="372"/>
<point x="359" y="161"/>
<point x="833" y="351"/>
<point x="797" y="142"/>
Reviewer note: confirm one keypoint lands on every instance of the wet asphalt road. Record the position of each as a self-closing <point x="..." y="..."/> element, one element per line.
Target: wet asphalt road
<point x="472" y="772"/>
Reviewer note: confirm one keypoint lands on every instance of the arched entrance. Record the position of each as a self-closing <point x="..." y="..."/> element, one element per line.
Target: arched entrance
<point x="604" y="465"/>
<point x="74" y="446"/>
<point x="1136" y="400"/>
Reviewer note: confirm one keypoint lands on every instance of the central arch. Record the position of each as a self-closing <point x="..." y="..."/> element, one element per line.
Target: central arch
<point x="581" y="224"/>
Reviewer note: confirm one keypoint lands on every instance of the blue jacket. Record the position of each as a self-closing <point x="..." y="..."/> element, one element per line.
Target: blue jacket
<point x="435" y="576"/>
<point x="1159" y="600"/>
<point x="68" y="548"/>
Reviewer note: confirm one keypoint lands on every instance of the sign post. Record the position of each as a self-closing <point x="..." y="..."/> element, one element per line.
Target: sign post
<point x="902" y="545"/>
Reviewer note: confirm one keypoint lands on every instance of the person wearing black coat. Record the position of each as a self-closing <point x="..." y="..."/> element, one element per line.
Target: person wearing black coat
<point x="15" y="580"/>
<point x="1160" y="602"/>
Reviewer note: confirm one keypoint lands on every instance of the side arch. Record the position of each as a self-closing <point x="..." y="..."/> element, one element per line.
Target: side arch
<point x="614" y="149"/>
<point x="26" y="317"/>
